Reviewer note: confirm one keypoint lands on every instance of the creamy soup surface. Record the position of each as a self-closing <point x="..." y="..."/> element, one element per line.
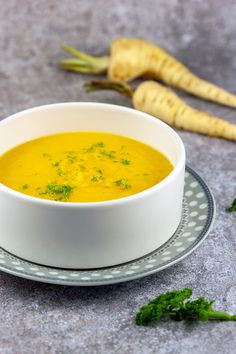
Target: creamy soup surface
<point x="82" y="167"/>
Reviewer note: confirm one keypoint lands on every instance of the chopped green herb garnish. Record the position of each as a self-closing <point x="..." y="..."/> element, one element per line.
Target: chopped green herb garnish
<point x="59" y="199"/>
<point x="58" y="191"/>
<point x="94" y="179"/>
<point x="60" y="172"/>
<point x="233" y="206"/>
<point x="92" y="147"/>
<point x="56" y="164"/>
<point x="99" y="144"/>
<point x="97" y="178"/>
<point x="173" y="305"/>
<point x="25" y="186"/>
<point x="125" y="162"/>
<point x="109" y="154"/>
<point x="71" y="156"/>
<point x="100" y="171"/>
<point x="47" y="156"/>
<point x="123" y="182"/>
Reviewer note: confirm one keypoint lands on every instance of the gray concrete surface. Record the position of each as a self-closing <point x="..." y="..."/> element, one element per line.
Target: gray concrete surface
<point x="41" y="318"/>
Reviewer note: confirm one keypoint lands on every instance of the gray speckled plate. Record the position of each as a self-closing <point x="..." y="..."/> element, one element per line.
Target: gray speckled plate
<point x="197" y="218"/>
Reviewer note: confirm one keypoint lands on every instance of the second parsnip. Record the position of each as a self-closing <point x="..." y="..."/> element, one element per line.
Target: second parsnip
<point x="161" y="102"/>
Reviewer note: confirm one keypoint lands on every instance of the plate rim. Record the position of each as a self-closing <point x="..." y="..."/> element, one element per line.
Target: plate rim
<point x="103" y="282"/>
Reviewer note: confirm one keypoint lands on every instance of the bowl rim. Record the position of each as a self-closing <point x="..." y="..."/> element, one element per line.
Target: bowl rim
<point x="113" y="202"/>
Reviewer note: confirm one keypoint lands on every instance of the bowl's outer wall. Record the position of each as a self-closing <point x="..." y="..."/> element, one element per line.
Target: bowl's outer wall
<point x="96" y="234"/>
<point x="90" y="238"/>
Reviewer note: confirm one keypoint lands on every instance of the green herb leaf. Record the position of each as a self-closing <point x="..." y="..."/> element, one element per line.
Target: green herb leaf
<point x="56" y="164"/>
<point x="125" y="162"/>
<point x="47" y="156"/>
<point x="25" y="186"/>
<point x="71" y="156"/>
<point x="233" y="206"/>
<point x="92" y="147"/>
<point x="97" y="178"/>
<point x="109" y="154"/>
<point x="123" y="182"/>
<point x="58" y="191"/>
<point x="60" y="172"/>
<point x="94" y="179"/>
<point x="173" y="305"/>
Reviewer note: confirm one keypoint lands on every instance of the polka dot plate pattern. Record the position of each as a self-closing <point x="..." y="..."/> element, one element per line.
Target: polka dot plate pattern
<point x="197" y="218"/>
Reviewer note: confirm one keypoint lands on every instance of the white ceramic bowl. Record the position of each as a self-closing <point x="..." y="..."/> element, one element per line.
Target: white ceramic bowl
<point x="94" y="234"/>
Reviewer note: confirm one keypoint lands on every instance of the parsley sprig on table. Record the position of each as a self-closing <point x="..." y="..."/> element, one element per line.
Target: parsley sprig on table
<point x="233" y="206"/>
<point x="174" y="305"/>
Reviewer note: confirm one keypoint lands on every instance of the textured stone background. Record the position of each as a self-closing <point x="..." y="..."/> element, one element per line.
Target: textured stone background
<point x="40" y="318"/>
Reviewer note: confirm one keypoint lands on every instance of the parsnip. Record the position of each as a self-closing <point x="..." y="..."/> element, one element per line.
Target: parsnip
<point x="132" y="57"/>
<point x="161" y="102"/>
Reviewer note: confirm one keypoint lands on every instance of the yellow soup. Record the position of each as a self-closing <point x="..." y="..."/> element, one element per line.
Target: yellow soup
<point x="82" y="167"/>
